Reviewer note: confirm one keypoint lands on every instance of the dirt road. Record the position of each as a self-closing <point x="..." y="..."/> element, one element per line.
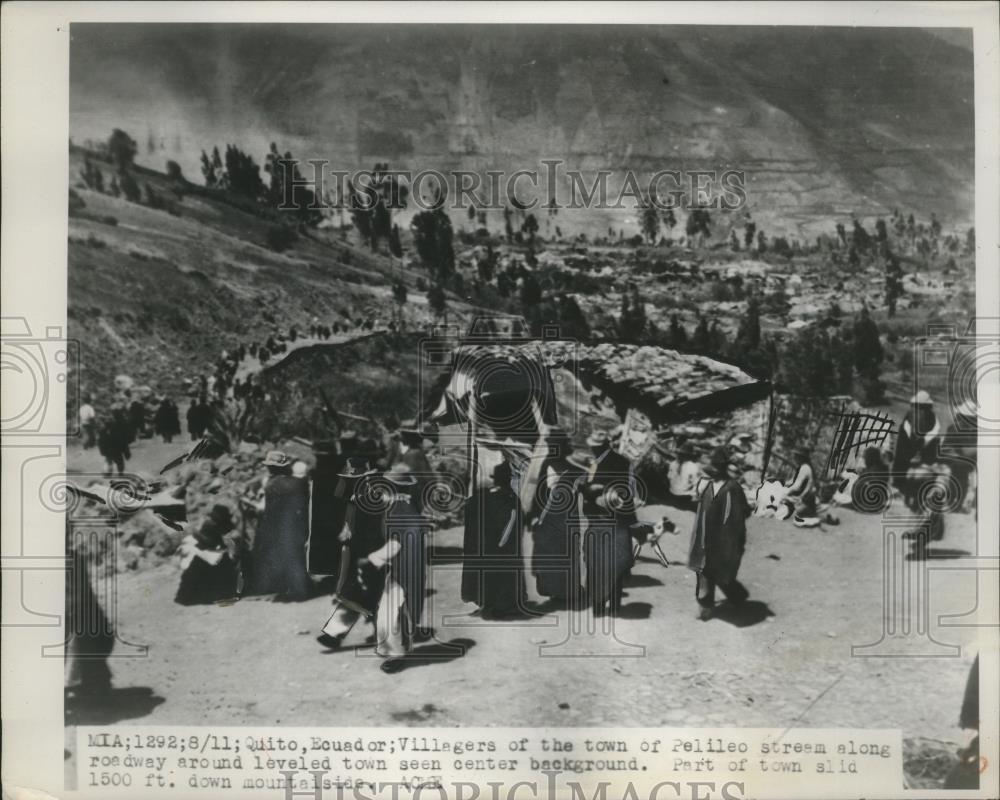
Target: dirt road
<point x="785" y="659"/>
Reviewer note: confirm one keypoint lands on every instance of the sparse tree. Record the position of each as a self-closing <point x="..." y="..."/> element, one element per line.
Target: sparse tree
<point x="650" y="218"/>
<point x="432" y="238"/>
<point x="530" y="227"/>
<point x="208" y="170"/>
<point x="122" y="149"/>
<point x="698" y="225"/>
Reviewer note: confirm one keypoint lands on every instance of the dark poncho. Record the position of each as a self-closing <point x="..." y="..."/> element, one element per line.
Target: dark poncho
<point x="361" y="584"/>
<point x="720" y="533"/>
<point x="556" y="560"/>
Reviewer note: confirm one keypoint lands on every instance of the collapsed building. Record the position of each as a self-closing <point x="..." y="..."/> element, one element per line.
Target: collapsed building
<point x="498" y="395"/>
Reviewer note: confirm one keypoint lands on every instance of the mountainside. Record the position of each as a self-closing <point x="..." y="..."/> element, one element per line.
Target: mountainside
<point x="824" y="121"/>
<point x="158" y="293"/>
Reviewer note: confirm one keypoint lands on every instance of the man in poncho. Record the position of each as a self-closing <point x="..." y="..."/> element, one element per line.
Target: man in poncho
<point x="362" y="533"/>
<point x="917" y="447"/>
<point x="719" y="536"/>
<point x="403" y="559"/>
<point x="386" y="581"/>
<point x="609" y="494"/>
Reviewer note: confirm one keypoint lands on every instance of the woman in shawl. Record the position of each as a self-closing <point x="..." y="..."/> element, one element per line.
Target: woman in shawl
<point x="719" y="536"/>
<point x="556" y="529"/>
<point x="210" y="570"/>
<point x="279" y="548"/>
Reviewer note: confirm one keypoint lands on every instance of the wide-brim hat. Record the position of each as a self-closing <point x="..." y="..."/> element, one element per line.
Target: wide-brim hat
<point x="276" y="458"/>
<point x="355" y="467"/>
<point x="921" y="398"/>
<point x="598" y="438"/>
<point x="400" y="474"/>
<point x="348" y="435"/>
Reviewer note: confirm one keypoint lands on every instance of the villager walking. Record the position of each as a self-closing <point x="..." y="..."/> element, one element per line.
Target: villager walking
<point x="492" y="572"/>
<point x="279" y="556"/>
<point x="719" y="536"/>
<point x="113" y="441"/>
<point x="166" y="421"/>
<point x="609" y="495"/>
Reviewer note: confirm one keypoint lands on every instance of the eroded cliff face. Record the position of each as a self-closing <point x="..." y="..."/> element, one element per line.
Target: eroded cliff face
<point x="825" y="122"/>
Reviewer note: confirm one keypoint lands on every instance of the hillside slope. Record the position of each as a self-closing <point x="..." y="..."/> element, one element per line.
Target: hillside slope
<point x="823" y="120"/>
<point x="158" y="295"/>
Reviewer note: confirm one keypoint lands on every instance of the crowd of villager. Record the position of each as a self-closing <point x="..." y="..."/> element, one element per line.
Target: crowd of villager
<point x="361" y="516"/>
<point x="359" y="521"/>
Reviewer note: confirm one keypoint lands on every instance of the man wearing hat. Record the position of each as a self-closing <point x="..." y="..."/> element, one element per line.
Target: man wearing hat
<point x="279" y="554"/>
<point x="917" y="444"/>
<point x="387" y="580"/>
<point x="719" y="536"/>
<point x="362" y="533"/>
<point x="609" y="493"/>
<point x="403" y="560"/>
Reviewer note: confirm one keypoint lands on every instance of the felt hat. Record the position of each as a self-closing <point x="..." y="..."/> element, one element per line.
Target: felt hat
<point x="276" y="458"/>
<point x="921" y="398"/>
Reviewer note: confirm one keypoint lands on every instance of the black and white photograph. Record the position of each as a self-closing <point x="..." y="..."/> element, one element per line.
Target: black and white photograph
<point x="570" y="376"/>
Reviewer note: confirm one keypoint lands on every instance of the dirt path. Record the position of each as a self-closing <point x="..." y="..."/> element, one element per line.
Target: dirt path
<point x="786" y="661"/>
